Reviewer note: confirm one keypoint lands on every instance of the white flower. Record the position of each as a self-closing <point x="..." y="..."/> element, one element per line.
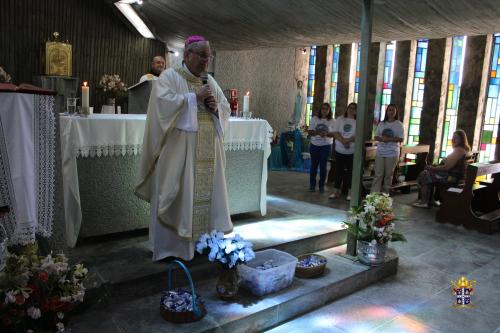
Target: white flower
<point x="80" y="271"/>
<point x="34" y="313"/>
<point x="10" y="297"/>
<point x="60" y="327"/>
<point x="373" y="242"/>
<point x="60" y="315"/>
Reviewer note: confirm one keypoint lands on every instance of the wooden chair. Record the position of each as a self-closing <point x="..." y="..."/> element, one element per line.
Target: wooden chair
<point x="413" y="167"/>
<point x="466" y="206"/>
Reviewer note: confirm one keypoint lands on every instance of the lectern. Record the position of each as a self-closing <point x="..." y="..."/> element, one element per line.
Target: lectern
<point x="138" y="97"/>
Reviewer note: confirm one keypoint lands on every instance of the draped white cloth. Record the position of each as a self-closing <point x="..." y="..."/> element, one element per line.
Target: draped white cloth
<point x="120" y="135"/>
<point x="98" y="135"/>
<point x="27" y="165"/>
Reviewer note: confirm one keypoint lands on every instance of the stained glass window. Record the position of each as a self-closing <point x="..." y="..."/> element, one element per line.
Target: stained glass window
<point x="390" y="53"/>
<point x="489" y="130"/>
<point x="454" y="83"/>
<point x="335" y="74"/>
<point x="356" y="82"/>
<point x="310" y="83"/>
<point x="417" y="98"/>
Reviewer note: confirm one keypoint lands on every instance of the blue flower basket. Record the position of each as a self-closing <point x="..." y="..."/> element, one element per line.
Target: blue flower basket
<point x="199" y="310"/>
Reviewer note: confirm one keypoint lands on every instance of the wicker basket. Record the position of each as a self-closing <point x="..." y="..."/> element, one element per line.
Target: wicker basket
<point x="310" y="272"/>
<point x="199" y="310"/>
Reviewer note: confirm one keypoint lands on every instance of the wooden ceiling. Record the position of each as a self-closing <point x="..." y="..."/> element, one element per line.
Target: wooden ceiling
<point x="251" y="24"/>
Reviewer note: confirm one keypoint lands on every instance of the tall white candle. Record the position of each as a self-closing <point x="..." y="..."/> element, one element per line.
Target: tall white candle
<point x="85" y="95"/>
<point x="246" y="102"/>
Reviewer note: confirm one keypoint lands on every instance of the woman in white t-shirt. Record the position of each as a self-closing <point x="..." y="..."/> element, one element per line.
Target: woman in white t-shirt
<point x="389" y="135"/>
<point x="344" y="132"/>
<point x="321" y="132"/>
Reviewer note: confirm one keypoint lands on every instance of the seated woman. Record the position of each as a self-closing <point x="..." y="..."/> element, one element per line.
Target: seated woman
<point x="449" y="173"/>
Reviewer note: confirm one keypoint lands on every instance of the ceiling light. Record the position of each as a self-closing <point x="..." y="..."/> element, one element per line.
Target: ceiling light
<point x="127" y="10"/>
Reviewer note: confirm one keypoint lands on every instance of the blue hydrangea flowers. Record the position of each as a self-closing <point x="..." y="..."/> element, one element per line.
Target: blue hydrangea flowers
<point x="228" y="251"/>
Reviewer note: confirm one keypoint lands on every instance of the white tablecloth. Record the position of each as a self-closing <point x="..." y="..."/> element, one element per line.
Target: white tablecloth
<point x="27" y="165"/>
<point x="110" y="135"/>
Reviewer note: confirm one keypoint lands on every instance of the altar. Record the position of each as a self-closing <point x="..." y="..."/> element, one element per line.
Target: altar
<point x="100" y="154"/>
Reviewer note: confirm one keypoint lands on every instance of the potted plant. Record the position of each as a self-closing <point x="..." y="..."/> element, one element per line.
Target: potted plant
<point x="37" y="292"/>
<point x="373" y="225"/>
<point x="229" y="252"/>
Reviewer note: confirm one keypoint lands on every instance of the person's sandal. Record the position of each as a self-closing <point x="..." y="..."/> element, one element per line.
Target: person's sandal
<point x="420" y="204"/>
<point x="334" y="196"/>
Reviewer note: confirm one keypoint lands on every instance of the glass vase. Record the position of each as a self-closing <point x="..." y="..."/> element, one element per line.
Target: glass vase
<point x="228" y="284"/>
<point x="371" y="254"/>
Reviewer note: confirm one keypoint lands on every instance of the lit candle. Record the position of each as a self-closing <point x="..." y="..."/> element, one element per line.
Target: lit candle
<point x="246" y="102"/>
<point x="85" y="95"/>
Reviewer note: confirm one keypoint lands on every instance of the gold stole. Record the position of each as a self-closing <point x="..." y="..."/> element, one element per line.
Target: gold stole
<point x="205" y="163"/>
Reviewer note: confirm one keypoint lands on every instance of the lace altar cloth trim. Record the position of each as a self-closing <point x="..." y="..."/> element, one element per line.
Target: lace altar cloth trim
<point x="244" y="145"/>
<point x="44" y="159"/>
<point x="109" y="150"/>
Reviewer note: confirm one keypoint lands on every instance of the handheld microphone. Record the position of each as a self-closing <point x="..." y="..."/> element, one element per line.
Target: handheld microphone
<point x="204" y="80"/>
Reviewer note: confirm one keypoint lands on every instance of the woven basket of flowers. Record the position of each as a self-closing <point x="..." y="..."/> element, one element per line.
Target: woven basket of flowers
<point x="180" y="305"/>
<point x="310" y="265"/>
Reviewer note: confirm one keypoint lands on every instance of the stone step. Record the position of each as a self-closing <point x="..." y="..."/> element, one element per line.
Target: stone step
<point x="247" y="313"/>
<point x="122" y="268"/>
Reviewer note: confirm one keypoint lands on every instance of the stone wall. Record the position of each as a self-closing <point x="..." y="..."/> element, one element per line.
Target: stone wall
<point x="269" y="74"/>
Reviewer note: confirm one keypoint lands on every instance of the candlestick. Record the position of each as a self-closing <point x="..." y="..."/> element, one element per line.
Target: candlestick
<point x="85" y="95"/>
<point x="246" y="102"/>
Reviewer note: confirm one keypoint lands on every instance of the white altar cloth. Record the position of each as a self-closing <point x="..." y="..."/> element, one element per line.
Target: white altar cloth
<point x="118" y="135"/>
<point x="27" y="165"/>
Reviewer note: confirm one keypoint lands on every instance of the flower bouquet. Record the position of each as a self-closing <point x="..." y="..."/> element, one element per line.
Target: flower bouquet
<point x="112" y="86"/>
<point x="373" y="225"/>
<point x="229" y="252"/>
<point x="37" y="292"/>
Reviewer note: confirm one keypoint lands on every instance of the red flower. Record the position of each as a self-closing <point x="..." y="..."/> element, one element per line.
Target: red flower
<point x="20" y="299"/>
<point x="45" y="306"/>
<point x="43" y="276"/>
<point x="34" y="288"/>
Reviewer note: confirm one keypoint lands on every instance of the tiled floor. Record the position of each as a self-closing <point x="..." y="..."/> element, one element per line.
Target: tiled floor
<point x="419" y="298"/>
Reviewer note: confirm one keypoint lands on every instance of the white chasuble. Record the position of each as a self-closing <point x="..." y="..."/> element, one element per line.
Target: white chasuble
<point x="182" y="166"/>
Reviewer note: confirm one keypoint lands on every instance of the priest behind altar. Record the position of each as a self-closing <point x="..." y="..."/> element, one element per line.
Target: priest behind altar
<point x="181" y="172"/>
<point x="157" y="66"/>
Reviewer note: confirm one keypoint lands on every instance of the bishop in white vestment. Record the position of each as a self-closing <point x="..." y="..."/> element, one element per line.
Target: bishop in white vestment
<point x="182" y="167"/>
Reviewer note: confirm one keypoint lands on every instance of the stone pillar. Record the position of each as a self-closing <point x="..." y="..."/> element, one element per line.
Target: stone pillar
<point x="319" y="77"/>
<point x="445" y="78"/>
<point x="328" y="74"/>
<point x="373" y="71"/>
<point x="432" y="92"/>
<point x="343" y="79"/>
<point x="400" y="78"/>
<point x="471" y="85"/>
<point x="409" y="88"/>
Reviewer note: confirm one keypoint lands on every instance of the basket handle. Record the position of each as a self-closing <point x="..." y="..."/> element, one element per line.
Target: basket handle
<point x="196" y="310"/>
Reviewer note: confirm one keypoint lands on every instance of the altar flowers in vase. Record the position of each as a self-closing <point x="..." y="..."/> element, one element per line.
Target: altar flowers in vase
<point x="112" y="87"/>
<point x="373" y="225"/>
<point x="229" y="252"/>
<point x="37" y="292"/>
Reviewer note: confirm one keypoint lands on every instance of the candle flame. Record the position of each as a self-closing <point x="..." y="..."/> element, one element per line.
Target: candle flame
<point x="248" y="93"/>
<point x="85" y="83"/>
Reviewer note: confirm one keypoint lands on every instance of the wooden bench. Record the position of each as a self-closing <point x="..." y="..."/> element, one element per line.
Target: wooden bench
<point x="474" y="206"/>
<point x="413" y="167"/>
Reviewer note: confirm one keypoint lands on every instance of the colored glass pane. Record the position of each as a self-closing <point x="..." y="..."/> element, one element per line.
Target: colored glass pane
<point x="310" y="83"/>
<point x="489" y="130"/>
<point x="390" y="53"/>
<point x="454" y="84"/>
<point x="418" y="91"/>
<point x="335" y="72"/>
